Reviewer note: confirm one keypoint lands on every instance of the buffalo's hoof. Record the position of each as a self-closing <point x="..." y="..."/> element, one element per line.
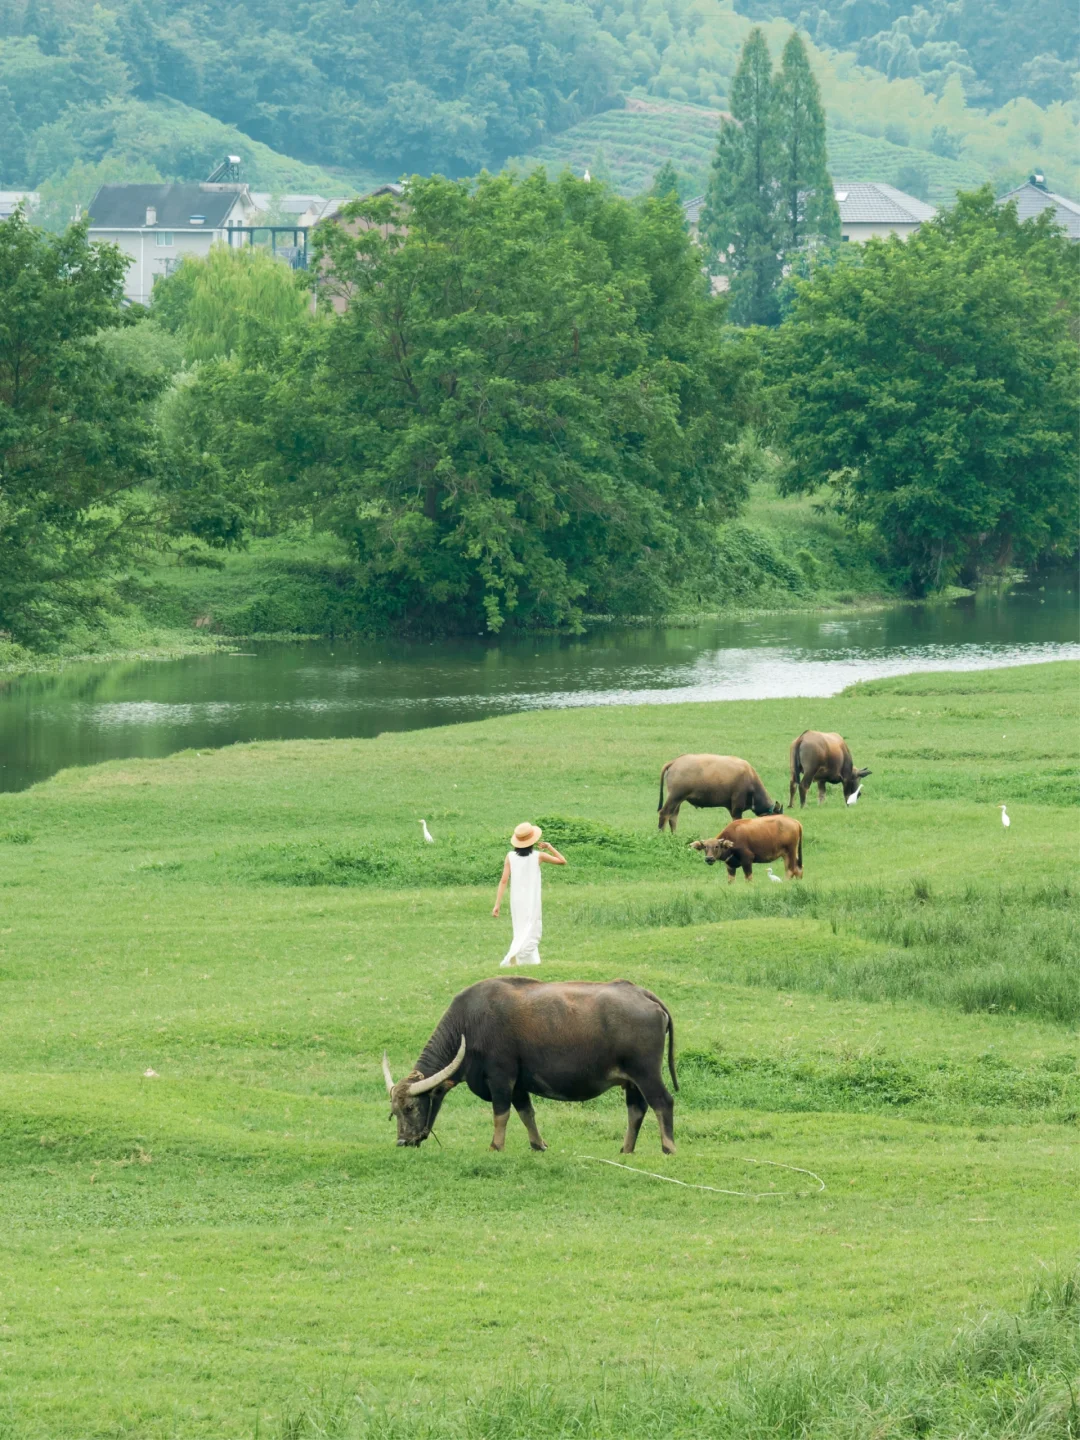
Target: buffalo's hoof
<point x="534" y="1145"/>
<point x="669" y="1149"/>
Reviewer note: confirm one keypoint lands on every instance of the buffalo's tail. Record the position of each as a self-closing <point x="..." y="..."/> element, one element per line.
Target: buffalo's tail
<point x="663" y="772"/>
<point x="799" y="856"/>
<point x="670" y="1037"/>
<point x="796" y="760"/>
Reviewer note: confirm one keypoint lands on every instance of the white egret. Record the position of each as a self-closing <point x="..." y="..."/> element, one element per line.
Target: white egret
<point x="851" y="799"/>
<point x="1004" y="816"/>
<point x="428" y="836"/>
<point x="775" y="878"/>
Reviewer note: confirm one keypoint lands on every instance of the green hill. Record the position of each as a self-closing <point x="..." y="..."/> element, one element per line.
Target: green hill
<point x="628" y="146"/>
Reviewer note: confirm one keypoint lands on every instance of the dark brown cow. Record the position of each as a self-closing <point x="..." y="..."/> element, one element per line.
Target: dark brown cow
<point x="753" y="842"/>
<point x="826" y="759"/>
<point x="711" y="781"/>
<point x="512" y="1037"/>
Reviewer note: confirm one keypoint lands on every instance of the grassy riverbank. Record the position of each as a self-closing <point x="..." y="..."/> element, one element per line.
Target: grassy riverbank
<point x="234" y="1245"/>
<point x="781" y="553"/>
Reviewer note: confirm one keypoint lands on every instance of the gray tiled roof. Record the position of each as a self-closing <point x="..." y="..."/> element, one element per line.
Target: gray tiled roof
<point x="869" y="202"/>
<point x="123" y="207"/>
<point x="1032" y="200"/>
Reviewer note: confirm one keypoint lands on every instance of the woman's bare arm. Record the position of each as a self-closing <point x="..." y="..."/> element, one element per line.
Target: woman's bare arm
<point x="549" y="855"/>
<point x="502" y="886"/>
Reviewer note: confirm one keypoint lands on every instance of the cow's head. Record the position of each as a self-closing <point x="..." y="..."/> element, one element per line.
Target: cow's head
<point x="416" y="1101"/>
<point x="852" y="782"/>
<point x="715" y="850"/>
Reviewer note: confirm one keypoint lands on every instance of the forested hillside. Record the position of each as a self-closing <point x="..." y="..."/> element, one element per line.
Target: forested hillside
<point x="335" y="95"/>
<point x="999" y="50"/>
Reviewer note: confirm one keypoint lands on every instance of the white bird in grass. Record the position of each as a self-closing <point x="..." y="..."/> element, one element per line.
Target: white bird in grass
<point x="1004" y="816"/>
<point x="775" y="878"/>
<point x="428" y="836"/>
<point x="851" y="799"/>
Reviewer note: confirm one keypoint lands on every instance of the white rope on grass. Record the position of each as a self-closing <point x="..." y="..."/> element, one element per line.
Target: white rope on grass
<point x="716" y="1189"/>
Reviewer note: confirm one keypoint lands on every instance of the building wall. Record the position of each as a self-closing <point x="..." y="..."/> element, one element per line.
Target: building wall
<point x="149" y="259"/>
<point x="859" y="234"/>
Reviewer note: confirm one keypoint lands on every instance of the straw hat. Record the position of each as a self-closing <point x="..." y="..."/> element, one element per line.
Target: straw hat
<point x="525" y="835"/>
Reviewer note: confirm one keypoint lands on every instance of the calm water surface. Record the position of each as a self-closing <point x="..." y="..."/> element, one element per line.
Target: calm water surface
<point x="90" y="713"/>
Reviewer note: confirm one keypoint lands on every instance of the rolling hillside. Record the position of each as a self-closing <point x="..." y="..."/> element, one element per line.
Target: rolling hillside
<point x="628" y="146"/>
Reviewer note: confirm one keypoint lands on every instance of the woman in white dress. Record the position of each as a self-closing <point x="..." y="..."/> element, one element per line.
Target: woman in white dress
<point x="522" y="872"/>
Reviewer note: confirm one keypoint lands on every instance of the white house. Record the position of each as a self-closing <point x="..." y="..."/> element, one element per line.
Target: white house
<point x="869" y="210"/>
<point x="10" y="200"/>
<point x="1033" y="197"/>
<point x="157" y="225"/>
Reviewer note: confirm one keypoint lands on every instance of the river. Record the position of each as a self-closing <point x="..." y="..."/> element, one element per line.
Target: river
<point x="92" y="712"/>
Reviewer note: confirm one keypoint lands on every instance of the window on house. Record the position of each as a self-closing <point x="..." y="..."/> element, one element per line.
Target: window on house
<point x="164" y="237"/>
<point x="845" y="237"/>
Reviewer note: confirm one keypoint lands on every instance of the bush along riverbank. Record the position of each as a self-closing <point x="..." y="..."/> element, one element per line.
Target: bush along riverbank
<point x="779" y="554"/>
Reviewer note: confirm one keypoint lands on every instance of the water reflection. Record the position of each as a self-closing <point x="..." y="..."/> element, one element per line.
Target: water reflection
<point x="95" y="712"/>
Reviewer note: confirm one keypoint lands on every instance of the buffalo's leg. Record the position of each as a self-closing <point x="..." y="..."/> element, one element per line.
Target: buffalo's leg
<point x="523" y="1105"/>
<point x="821" y="792"/>
<point x="804" y="790"/>
<point x="500" y="1104"/>
<point x="635" y="1114"/>
<point x="731" y="869"/>
<point x="660" y="1099"/>
<point x="791" y="792"/>
<point x="748" y="869"/>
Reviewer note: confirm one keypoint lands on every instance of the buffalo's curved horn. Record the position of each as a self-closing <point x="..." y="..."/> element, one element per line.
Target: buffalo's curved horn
<point x="420" y="1087"/>
<point x="386" y="1074"/>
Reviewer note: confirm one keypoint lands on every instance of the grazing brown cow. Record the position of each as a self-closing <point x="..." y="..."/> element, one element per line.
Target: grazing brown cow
<point x="753" y="842"/>
<point x="709" y="781"/>
<point x="826" y="759"/>
<point x="511" y="1037"/>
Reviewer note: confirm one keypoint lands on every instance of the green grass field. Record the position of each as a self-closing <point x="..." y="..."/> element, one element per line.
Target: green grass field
<point x="235" y="1247"/>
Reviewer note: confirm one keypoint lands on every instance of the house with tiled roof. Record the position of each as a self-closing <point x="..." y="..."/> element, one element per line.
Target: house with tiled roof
<point x="157" y="225"/>
<point x="872" y="210"/>
<point x="1034" y="196"/>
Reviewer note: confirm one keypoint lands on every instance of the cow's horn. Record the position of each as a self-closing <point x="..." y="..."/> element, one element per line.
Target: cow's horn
<point x="420" y="1087"/>
<point x="386" y="1073"/>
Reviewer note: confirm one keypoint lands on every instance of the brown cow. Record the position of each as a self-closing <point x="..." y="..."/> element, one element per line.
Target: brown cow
<point x="826" y="759"/>
<point x="709" y="781"/>
<point x="753" y="842"/>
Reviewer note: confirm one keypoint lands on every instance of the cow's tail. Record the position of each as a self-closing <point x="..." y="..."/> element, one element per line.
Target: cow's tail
<point x="670" y="1037"/>
<point x="663" y="772"/>
<point x="799" y="855"/>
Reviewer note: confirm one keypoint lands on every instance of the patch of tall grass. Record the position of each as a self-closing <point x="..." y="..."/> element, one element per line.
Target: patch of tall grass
<point x="985" y="948"/>
<point x="1001" y="1375"/>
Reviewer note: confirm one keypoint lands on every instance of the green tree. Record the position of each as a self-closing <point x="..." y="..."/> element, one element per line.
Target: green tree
<point x="932" y="389"/>
<point x="739" y="220"/>
<point x="805" y="199"/>
<point x="12" y="143"/>
<point x="665" y="182"/>
<point x="75" y="438"/>
<point x="528" y="410"/>
<point x="239" y="298"/>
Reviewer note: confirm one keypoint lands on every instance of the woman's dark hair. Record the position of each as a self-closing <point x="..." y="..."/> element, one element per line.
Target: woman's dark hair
<point x="527" y="850"/>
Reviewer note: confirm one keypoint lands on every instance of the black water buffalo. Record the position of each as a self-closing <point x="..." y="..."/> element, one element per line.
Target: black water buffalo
<point x="755" y="842"/>
<point x="512" y="1037"/>
<point x="710" y="781"/>
<point x="826" y="759"/>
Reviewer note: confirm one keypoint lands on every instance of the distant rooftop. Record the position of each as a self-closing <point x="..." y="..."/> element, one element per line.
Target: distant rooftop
<point x="124" y="207"/>
<point x="869" y="202"/>
<point x="11" y="199"/>
<point x="318" y="205"/>
<point x="1033" y="197"/>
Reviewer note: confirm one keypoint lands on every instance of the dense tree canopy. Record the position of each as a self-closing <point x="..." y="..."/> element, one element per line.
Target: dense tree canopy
<point x="931" y="386"/>
<point x="529" y="409"/>
<point x="999" y="50"/>
<point x="75" y="440"/>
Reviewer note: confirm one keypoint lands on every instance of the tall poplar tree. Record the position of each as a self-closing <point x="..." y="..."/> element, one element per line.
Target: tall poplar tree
<point x="806" y="204"/>
<point x="739" y="221"/>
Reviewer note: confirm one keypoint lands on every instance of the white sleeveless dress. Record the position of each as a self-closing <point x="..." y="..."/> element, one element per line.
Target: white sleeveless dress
<point x="524" y="909"/>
